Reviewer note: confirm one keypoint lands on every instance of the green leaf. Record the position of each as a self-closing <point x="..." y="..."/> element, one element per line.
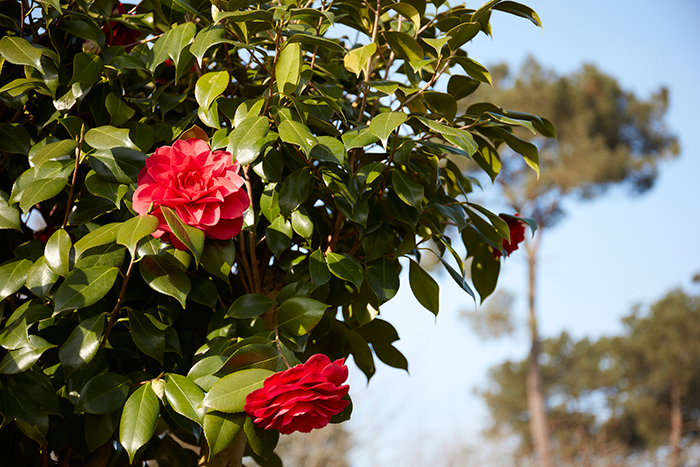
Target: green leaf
<point x="41" y="278"/>
<point x="295" y="189"/>
<point x="404" y="46"/>
<point x="103" y="394"/>
<point x="41" y="190"/>
<point x="139" y="419"/>
<point x="461" y="34"/>
<point x="485" y="270"/>
<point x="424" y="288"/>
<point x="385" y="123"/>
<point x="359" y="137"/>
<point x="218" y="257"/>
<point x="184" y="396"/>
<point x="53" y="151"/>
<point x="19" y="51"/>
<point x="261" y="441"/>
<point x="318" y="269"/>
<point x="179" y="39"/>
<point x="407" y="11"/>
<point x="460" y="138"/>
<point x="279" y="235"/>
<point x="14" y="138"/>
<point x="473" y="68"/>
<point x="249" y="306"/>
<point x="136" y="228"/>
<point x="118" y="164"/>
<point x="356" y="60"/>
<point x="191" y="237"/>
<point x="299" y="315"/>
<point x="207" y="38"/>
<point x="99" y="428"/>
<point x="288" y="68"/>
<point x="108" y="137"/>
<point x="209" y="87"/>
<point x="243" y="140"/>
<point x="460" y="86"/>
<point x="118" y="110"/>
<point x="100" y="236"/>
<point x="13" y="274"/>
<point x="15" y="335"/>
<point x="17" y="361"/>
<point x="302" y="223"/>
<point x="441" y="102"/>
<point x="383" y="279"/>
<point x="57" y="252"/>
<point x="220" y="429"/>
<point x="84" y="287"/>
<point x="410" y="191"/>
<point x="147" y="336"/>
<point x="248" y="109"/>
<point x="87" y="68"/>
<point x="519" y="9"/>
<point x="525" y="149"/>
<point x="82" y="343"/>
<point x="164" y="275"/>
<point x="329" y="149"/>
<point x="297" y="133"/>
<point x="202" y="371"/>
<point x="229" y="393"/>
<point x="9" y="214"/>
<point x="314" y="40"/>
<point x="346" y="267"/>
<point x="111" y="255"/>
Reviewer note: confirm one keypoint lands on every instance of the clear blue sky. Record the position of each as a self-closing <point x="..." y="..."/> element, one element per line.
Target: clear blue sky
<point x="606" y="256"/>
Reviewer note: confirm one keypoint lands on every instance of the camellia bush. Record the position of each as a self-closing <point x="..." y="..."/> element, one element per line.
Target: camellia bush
<point x="205" y="205"/>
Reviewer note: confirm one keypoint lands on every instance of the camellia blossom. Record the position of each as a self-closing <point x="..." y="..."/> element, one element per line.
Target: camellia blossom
<point x="202" y="186"/>
<point x="301" y="398"/>
<point x="517" y="235"/>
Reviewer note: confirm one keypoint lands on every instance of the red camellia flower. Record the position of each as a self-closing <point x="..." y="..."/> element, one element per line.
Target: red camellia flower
<point x="120" y="34"/>
<point x="203" y="187"/>
<point x="300" y="398"/>
<point x="517" y="235"/>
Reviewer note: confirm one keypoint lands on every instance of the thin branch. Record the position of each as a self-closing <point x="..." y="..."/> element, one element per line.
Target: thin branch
<point x="78" y="150"/>
<point x="427" y="85"/>
<point x="119" y="302"/>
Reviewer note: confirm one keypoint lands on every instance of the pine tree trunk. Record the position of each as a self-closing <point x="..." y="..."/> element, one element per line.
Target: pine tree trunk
<point x="535" y="392"/>
<point x="676" y="424"/>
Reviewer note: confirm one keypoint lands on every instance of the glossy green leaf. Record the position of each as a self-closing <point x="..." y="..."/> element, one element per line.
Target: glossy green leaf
<point x="84" y="287"/>
<point x="424" y="288"/>
<point x="461" y="34"/>
<point x="118" y="110"/>
<point x="139" y="419"/>
<point x="136" y="228"/>
<point x="185" y="396"/>
<point x="220" y="429"/>
<point x="299" y="315"/>
<point x="14" y="138"/>
<point x="441" y="102"/>
<point x="100" y="428"/>
<point x="15" y="335"/>
<point x="108" y="137"/>
<point x="346" y="267"/>
<point x="17" y="361"/>
<point x="229" y="393"/>
<point x="210" y="86"/>
<point x="279" y="235"/>
<point x="40" y="278"/>
<point x="288" y="68"/>
<point x="474" y="69"/>
<point x="207" y="38"/>
<point x="103" y="394"/>
<point x="383" y="279"/>
<point x="243" y="140"/>
<point x="87" y="68"/>
<point x="100" y="236"/>
<point x="329" y="149"/>
<point x="218" y="257"/>
<point x="318" y="269"/>
<point x="406" y="10"/>
<point x="519" y="9"/>
<point x="111" y="255"/>
<point x="21" y="52"/>
<point x="385" y="123"/>
<point x="164" y="275"/>
<point x="108" y="189"/>
<point x="118" y="164"/>
<point x="147" y="336"/>
<point x="299" y="134"/>
<point x="82" y="343"/>
<point x="302" y="223"/>
<point x="13" y="274"/>
<point x="410" y="191"/>
<point x="315" y="41"/>
<point x="249" y="306"/>
<point x="57" y="252"/>
<point x="295" y="189"/>
<point x="191" y="237"/>
<point x="404" y="46"/>
<point x="261" y="441"/>
<point x="356" y="60"/>
<point x="359" y="137"/>
<point x="525" y="149"/>
<point x="41" y="190"/>
<point x="53" y="151"/>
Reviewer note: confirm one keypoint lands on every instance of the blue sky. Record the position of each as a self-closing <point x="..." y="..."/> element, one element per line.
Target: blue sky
<point x="604" y="257"/>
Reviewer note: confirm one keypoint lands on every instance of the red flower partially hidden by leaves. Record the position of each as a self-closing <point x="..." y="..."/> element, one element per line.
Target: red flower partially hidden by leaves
<point x="120" y="34"/>
<point x="201" y="185"/>
<point x="517" y="235"/>
<point x="300" y="398"/>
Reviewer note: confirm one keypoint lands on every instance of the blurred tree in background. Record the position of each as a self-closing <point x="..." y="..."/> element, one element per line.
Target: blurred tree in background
<point x="614" y="399"/>
<point x="605" y="136"/>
